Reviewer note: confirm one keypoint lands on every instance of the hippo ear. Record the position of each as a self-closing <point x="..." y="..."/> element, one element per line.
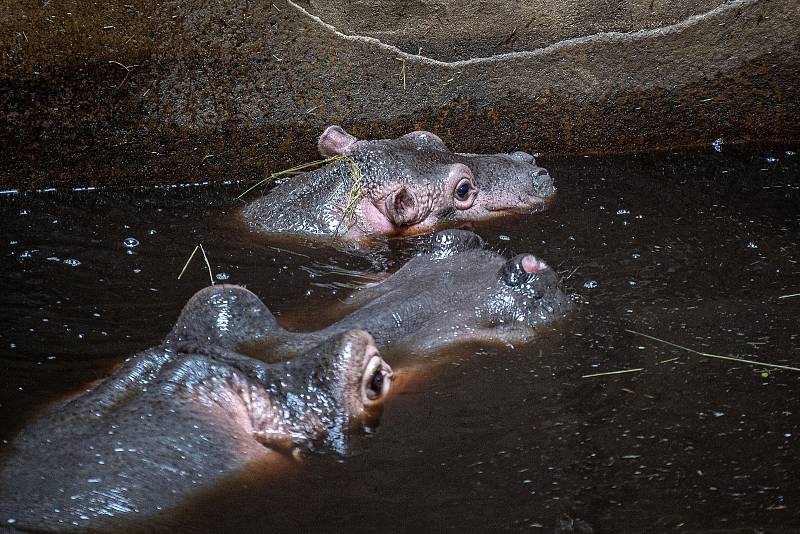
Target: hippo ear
<point x="519" y="269"/>
<point x="402" y="207"/>
<point x="334" y="141"/>
<point x="222" y="315"/>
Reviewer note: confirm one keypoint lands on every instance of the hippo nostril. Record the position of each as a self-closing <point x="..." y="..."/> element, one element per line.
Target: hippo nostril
<point x="519" y="269"/>
<point x="531" y="264"/>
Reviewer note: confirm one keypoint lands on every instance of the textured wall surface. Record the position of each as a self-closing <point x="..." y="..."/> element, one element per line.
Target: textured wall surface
<point x="158" y="92"/>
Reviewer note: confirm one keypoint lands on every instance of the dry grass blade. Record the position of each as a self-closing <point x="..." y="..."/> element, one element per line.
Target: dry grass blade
<point x="293" y="170"/>
<point x="615" y="372"/>
<point x="354" y="196"/>
<point x="717" y="356"/>
<point x="208" y="265"/>
<point x="185" y="265"/>
<point x="210" y="275"/>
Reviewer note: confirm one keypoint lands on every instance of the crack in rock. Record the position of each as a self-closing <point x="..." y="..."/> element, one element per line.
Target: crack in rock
<point x="607" y="37"/>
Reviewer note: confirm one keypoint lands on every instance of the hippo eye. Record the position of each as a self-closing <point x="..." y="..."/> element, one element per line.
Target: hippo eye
<point x="376" y="380"/>
<point x="376" y="384"/>
<point x="463" y="190"/>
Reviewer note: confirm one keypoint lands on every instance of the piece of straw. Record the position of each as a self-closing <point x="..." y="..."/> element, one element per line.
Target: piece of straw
<point x="707" y="355"/>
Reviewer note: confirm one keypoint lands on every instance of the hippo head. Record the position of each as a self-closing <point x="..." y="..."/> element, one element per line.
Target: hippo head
<point x="413" y="182"/>
<point x="344" y="383"/>
<point x="409" y="183"/>
<point x="323" y="394"/>
<point x="507" y="183"/>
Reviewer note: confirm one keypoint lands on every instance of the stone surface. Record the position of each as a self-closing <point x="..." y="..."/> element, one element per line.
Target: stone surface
<point x="145" y="92"/>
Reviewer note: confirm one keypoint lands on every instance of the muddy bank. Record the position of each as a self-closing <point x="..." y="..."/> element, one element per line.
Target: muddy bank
<point x="147" y="93"/>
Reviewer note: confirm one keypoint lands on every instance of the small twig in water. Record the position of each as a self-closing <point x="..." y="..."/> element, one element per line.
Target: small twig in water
<point x="707" y="355"/>
<point x="210" y="274"/>
<point x="789" y="296"/>
<point x="185" y="265"/>
<point x="615" y="372"/>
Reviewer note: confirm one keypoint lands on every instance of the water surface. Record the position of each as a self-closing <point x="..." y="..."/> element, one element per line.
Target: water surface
<point x="697" y="248"/>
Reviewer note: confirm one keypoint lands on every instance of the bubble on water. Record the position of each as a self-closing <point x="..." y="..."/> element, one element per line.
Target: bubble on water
<point x="222" y="276"/>
<point x="622" y="211"/>
<point x="53" y="258"/>
<point x="25" y="254"/>
<point x="632" y="282"/>
<point x="130" y="242"/>
<point x="590" y="284"/>
<point x="23" y="212"/>
<point x="636" y="255"/>
<point x="14" y="242"/>
<point x="717" y="144"/>
<point x="152" y="231"/>
<point x="72" y="262"/>
<point x="11" y="520"/>
<point x="751" y="244"/>
<point x="137" y="270"/>
<point x="771" y="159"/>
<point x="504" y="237"/>
<point x="790" y="152"/>
<point x="717" y="414"/>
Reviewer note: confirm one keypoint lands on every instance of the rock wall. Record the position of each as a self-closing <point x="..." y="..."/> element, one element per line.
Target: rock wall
<point x="160" y="92"/>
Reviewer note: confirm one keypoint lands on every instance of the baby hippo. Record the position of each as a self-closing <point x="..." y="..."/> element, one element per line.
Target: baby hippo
<point x="407" y="186"/>
<point x="457" y="291"/>
<point x="177" y="417"/>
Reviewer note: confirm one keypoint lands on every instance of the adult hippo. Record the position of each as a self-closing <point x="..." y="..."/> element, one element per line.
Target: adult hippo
<point x="457" y="291"/>
<point x="180" y="416"/>
<point x="407" y="186"/>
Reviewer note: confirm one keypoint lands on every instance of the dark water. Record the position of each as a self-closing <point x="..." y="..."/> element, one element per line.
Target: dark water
<point x="695" y="248"/>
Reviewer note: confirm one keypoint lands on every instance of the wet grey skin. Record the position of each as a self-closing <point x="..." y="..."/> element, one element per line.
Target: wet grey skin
<point x="455" y="292"/>
<point x="410" y="185"/>
<point x="177" y="417"/>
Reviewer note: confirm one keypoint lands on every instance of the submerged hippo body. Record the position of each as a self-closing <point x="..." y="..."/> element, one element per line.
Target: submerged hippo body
<point x="408" y="185"/>
<point x="175" y="418"/>
<point x="457" y="291"/>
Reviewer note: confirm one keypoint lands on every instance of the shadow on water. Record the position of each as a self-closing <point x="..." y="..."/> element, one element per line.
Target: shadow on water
<point x="696" y="248"/>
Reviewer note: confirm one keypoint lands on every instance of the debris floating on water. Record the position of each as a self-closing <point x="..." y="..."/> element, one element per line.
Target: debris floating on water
<point x="197" y="247"/>
<point x="717" y="144"/>
<point x="707" y="355"/>
<point x="614" y="372"/>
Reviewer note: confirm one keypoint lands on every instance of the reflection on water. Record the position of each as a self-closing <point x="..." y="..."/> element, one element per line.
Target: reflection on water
<point x="700" y="249"/>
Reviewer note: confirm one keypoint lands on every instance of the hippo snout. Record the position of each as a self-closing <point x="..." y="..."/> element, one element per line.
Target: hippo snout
<point x="542" y="183"/>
